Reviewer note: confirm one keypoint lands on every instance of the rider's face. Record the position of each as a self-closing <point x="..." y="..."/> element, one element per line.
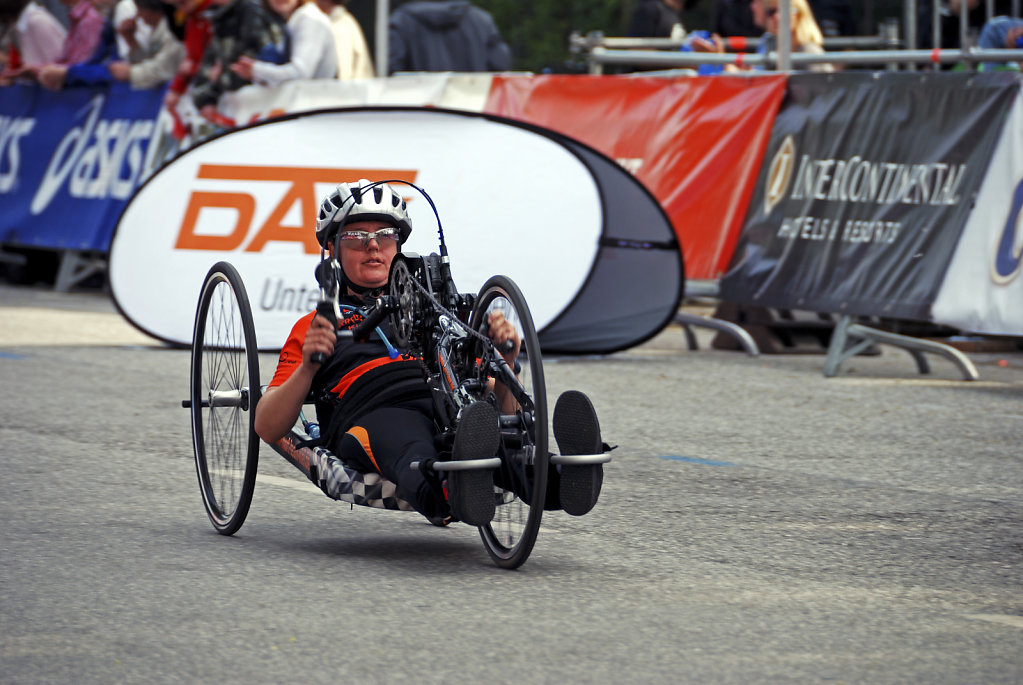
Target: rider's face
<point x="370" y="267"/>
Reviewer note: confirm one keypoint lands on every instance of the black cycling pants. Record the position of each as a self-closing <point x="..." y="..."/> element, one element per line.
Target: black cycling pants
<point x="387" y="441"/>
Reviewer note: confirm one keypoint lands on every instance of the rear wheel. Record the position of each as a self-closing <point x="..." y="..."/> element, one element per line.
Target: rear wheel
<point x="224" y="392"/>
<point x="521" y="482"/>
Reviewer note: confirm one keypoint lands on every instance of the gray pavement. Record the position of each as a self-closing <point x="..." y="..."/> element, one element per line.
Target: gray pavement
<point x="759" y="523"/>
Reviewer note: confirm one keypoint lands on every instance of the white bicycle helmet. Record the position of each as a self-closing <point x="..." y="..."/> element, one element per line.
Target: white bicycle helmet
<point x="362" y="201"/>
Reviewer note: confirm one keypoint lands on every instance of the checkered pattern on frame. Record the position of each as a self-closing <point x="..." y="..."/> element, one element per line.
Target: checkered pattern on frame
<point x="345" y="484"/>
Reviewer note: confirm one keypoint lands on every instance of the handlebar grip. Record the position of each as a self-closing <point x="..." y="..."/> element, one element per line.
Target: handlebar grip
<point x="505" y="347"/>
<point x="325" y="309"/>
<point x="376" y="315"/>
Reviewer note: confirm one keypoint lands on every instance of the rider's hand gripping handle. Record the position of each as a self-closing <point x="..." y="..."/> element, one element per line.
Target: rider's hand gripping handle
<point x="505" y="347"/>
<point x="327" y="275"/>
<point x="324" y="308"/>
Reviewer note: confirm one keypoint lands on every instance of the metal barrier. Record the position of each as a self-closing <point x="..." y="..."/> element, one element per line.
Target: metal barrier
<point x="888" y="38"/>
<point x="849" y="339"/>
<point x="665" y="53"/>
<point x="600" y="57"/>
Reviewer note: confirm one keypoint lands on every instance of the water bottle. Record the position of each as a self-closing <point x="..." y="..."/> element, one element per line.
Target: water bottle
<point x="313" y="429"/>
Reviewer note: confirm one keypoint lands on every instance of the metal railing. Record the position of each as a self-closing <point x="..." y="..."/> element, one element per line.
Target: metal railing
<point x="888" y="38"/>
<point x="887" y="48"/>
<point x="600" y="57"/>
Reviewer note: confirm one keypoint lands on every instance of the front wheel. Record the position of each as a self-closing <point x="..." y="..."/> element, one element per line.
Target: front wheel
<point x="521" y="481"/>
<point x="224" y="392"/>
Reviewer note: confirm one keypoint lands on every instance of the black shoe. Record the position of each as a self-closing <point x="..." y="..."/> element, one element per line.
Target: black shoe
<point x="471" y="492"/>
<point x="578" y="432"/>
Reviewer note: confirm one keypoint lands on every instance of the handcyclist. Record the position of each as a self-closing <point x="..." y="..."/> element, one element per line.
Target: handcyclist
<point x="376" y="412"/>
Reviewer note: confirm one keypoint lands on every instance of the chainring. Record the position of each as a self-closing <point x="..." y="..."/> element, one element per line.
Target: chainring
<point x="407" y="318"/>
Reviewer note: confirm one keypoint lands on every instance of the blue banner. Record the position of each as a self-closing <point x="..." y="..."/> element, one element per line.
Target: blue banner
<point x="70" y="160"/>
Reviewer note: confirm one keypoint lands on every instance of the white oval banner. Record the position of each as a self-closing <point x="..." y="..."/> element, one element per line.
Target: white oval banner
<point x="512" y="201"/>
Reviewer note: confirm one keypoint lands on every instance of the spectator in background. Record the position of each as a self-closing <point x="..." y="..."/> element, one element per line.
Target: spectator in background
<point x="240" y="27"/>
<point x="313" y="54"/>
<point x="1001" y="33"/>
<point x="835" y="18"/>
<point x="148" y="65"/>
<point x="87" y="18"/>
<point x="806" y="34"/>
<point x="445" y="35"/>
<point x="191" y="20"/>
<point x="657" y="19"/>
<point x="353" y="59"/>
<point x="37" y="35"/>
<point x="734" y="18"/>
<point x="125" y="13"/>
<point x="758" y="10"/>
<point x="949" y="24"/>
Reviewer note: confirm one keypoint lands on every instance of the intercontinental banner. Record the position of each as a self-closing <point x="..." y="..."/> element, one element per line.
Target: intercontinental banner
<point x="866" y="187"/>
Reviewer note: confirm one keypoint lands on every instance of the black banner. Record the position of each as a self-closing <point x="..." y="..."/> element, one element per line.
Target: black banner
<point x="865" y="189"/>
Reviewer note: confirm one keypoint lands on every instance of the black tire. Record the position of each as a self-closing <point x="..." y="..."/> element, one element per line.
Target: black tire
<point x="224" y="392"/>
<point x="509" y="538"/>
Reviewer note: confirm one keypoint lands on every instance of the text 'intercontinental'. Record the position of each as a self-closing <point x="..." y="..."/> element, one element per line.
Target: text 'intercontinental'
<point x="865" y="181"/>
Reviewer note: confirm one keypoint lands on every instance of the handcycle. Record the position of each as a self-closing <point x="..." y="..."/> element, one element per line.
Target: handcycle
<point x="428" y="320"/>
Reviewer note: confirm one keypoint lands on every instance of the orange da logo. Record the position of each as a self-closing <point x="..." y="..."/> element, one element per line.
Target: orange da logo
<point x="301" y="189"/>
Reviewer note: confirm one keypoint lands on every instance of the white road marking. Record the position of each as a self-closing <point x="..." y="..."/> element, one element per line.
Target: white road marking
<point x="1004" y="619"/>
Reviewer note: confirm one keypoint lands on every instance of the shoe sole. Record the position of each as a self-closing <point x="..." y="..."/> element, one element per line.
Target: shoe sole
<point x="578" y="432"/>
<point x="472" y="492"/>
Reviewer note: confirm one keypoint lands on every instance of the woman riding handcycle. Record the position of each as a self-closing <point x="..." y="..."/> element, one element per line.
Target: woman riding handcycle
<point x="387" y="357"/>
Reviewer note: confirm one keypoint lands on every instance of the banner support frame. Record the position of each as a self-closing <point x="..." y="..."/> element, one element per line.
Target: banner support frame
<point x="849" y="339"/>
<point x="75" y="267"/>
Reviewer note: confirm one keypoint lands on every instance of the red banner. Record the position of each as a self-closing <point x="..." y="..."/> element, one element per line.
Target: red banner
<point x="695" y="142"/>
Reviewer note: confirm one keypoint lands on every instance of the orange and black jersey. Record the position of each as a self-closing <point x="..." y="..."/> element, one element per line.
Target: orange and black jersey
<point x="358" y="377"/>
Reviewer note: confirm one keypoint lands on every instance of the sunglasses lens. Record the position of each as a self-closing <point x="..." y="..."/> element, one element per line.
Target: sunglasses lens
<point x="360" y="239"/>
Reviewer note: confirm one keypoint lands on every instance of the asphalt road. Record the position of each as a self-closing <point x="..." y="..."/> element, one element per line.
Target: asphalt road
<point x="759" y="524"/>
